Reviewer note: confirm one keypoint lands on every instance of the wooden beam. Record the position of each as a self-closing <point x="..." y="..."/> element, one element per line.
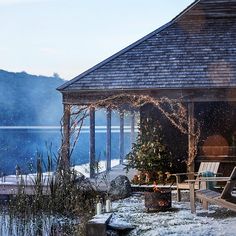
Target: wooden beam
<point x="191" y="138"/>
<point x="121" y="137"/>
<point x="132" y="132"/>
<point x="65" y="155"/>
<point x="108" y="145"/>
<point x="186" y="95"/>
<point x="92" y="143"/>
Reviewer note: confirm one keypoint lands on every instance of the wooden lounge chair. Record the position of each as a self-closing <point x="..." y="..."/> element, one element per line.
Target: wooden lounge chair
<point x="204" y="167"/>
<point x="225" y="199"/>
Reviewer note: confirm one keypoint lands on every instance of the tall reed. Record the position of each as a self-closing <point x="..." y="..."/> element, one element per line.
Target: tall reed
<point x="60" y="193"/>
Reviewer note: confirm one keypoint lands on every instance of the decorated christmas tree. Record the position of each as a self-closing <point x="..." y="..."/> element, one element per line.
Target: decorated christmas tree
<point x="149" y="154"/>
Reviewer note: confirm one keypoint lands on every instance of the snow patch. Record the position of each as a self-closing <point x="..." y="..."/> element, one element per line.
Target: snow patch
<point x="177" y="221"/>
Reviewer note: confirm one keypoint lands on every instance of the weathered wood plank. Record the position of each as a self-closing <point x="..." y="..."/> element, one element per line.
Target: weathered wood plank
<point x="108" y="144"/>
<point x="226" y="193"/>
<point x="121" y="136"/>
<point x="206" y="193"/>
<point x="132" y="131"/>
<point x="217" y="158"/>
<point x="186" y="95"/>
<point x="191" y="138"/>
<point x="92" y="143"/>
<point x="226" y="204"/>
<point x="13" y="188"/>
<point x="65" y="155"/>
<point x="192" y="197"/>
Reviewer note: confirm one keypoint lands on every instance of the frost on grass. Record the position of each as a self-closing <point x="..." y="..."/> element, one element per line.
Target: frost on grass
<point x="177" y="221"/>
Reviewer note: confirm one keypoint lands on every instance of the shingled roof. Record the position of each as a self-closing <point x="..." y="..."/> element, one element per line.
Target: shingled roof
<point x="197" y="49"/>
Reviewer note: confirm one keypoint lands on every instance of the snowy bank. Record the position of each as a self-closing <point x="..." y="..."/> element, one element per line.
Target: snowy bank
<point x="178" y="221"/>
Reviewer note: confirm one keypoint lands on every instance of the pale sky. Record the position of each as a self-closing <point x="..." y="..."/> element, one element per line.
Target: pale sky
<point x="69" y="36"/>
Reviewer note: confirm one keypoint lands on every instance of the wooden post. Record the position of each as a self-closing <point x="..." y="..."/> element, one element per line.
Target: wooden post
<point x="92" y="143"/>
<point x="121" y="136"/>
<point x="132" y="127"/>
<point x="65" y="155"/>
<point x="191" y="138"/>
<point x="108" y="146"/>
<point x="192" y="196"/>
<point x="205" y="205"/>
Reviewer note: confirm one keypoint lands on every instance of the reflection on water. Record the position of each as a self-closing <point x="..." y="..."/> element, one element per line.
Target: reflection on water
<point x="20" y="145"/>
<point x="41" y="225"/>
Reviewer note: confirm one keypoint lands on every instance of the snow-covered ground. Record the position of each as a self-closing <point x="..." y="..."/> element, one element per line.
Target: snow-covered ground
<point x="84" y="168"/>
<point x="177" y="221"/>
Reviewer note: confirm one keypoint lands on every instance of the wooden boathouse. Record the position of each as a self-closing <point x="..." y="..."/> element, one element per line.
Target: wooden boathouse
<point x="193" y="57"/>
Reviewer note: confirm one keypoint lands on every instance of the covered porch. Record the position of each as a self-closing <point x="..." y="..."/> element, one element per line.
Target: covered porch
<point x="190" y="59"/>
<point x="194" y="100"/>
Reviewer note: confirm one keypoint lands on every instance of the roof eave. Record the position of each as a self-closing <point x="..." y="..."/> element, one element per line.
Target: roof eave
<point x="145" y="89"/>
<point x="160" y="29"/>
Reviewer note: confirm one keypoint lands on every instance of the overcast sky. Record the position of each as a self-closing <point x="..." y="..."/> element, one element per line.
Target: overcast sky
<point x="70" y="36"/>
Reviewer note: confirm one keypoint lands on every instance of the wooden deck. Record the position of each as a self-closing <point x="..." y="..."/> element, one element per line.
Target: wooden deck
<point x="10" y="185"/>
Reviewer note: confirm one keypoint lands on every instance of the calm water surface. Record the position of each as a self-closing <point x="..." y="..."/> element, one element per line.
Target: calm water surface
<point x="20" y="145"/>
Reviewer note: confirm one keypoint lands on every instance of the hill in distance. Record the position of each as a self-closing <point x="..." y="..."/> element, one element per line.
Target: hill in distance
<point x="29" y="99"/>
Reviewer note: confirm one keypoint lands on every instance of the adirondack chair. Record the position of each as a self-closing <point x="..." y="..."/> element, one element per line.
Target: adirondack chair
<point x="203" y="168"/>
<point x="225" y="199"/>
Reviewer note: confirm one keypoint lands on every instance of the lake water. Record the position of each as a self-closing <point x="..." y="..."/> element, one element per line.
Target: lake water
<point x="46" y="225"/>
<point x="20" y="145"/>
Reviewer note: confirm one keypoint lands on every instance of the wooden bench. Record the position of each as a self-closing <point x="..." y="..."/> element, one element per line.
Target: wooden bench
<point x="224" y="199"/>
<point x="98" y="225"/>
<point x="204" y="167"/>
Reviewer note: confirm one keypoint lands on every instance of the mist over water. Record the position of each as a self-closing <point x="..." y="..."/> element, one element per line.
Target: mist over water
<point x="19" y="146"/>
<point x="30" y="100"/>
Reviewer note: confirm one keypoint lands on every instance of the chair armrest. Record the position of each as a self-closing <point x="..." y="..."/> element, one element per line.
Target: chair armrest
<point x="178" y="175"/>
<point x="208" y="179"/>
<point x="189" y="173"/>
<point x="213" y="179"/>
<point x="219" y="174"/>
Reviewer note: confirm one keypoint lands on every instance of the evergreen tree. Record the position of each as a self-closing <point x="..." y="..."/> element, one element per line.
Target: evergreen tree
<point x="149" y="154"/>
